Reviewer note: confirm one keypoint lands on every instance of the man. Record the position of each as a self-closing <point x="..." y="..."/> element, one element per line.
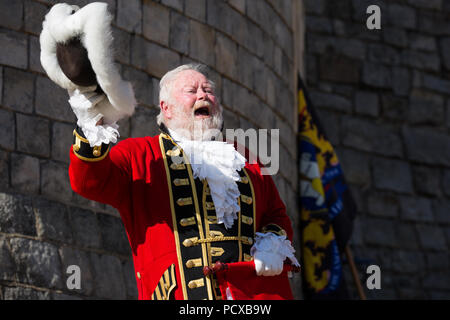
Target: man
<point x="187" y="199"/>
<point x="182" y="215"/>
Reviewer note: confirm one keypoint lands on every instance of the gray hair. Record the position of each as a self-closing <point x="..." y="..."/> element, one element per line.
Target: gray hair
<point x="165" y="84"/>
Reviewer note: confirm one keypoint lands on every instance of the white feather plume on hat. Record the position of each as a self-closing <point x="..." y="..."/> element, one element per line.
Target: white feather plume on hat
<point x="92" y="25"/>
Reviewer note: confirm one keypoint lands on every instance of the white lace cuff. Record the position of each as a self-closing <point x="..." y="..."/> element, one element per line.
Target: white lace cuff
<point x="98" y="134"/>
<point x="275" y="245"/>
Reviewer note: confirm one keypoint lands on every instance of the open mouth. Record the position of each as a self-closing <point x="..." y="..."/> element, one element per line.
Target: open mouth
<point x="202" y="111"/>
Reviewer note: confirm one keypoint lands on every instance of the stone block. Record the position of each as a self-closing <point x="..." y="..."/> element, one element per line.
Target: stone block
<point x="437" y="280"/>
<point x="318" y="24"/>
<point x="239" y="5"/>
<point x="435" y="84"/>
<point x="7" y="130"/>
<point x="371" y="136"/>
<point x="11" y="14"/>
<point x="421" y="42"/>
<point x="421" y="60"/>
<point x="226" y="55"/>
<point x="195" y="9"/>
<point x="376" y="75"/>
<point x="395" y="108"/>
<point x="426" y="146"/>
<point x="401" y="81"/>
<point x="152" y="58"/>
<point x="25" y="173"/>
<point x="23" y="293"/>
<point x="401" y="16"/>
<point x="121" y="44"/>
<point x="16" y="215"/>
<point x="143" y="122"/>
<point x="427" y="180"/>
<point x="446" y="182"/>
<point x="441" y="210"/>
<point x="15" y="51"/>
<point x="383" y="205"/>
<point x="113" y="234"/>
<point x="330" y="121"/>
<point x="37" y="263"/>
<point x="142" y="84"/>
<point x="408" y="262"/>
<point x="18" y="90"/>
<point x="413" y="208"/>
<point x="407" y="236"/>
<point x="366" y="103"/>
<point x="201" y="42"/>
<point x="445" y="52"/>
<point x="244" y="68"/>
<point x="431" y="237"/>
<point x="221" y="16"/>
<point x="330" y="101"/>
<point x="129" y="15"/>
<point x="7" y="265"/>
<point x="156" y="25"/>
<point x="339" y="68"/>
<point x="71" y="256"/>
<point x="315" y="6"/>
<point x="179" y="32"/>
<point x="62" y="138"/>
<point x="52" y="220"/>
<point x="437" y="261"/>
<point x="52" y="101"/>
<point x="379" y="232"/>
<point x="355" y="166"/>
<point x="393" y="175"/>
<point x="383" y="54"/>
<point x="105" y="268"/>
<point x="426" y="4"/>
<point x="55" y="181"/>
<point x="4" y="170"/>
<point x="175" y="4"/>
<point x="34" y="55"/>
<point x="396" y="37"/>
<point x="34" y="15"/>
<point x="85" y="228"/>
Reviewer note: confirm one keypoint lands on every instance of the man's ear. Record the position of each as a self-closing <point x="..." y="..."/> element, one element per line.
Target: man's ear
<point x="166" y="110"/>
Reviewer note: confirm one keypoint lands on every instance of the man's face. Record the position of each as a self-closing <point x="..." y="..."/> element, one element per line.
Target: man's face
<point x="193" y="105"/>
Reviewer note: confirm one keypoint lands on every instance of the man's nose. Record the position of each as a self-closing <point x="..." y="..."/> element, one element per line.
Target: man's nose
<point x="201" y="95"/>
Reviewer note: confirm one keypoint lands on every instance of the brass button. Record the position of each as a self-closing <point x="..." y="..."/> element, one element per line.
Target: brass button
<point x="189" y="242"/>
<point x="96" y="152"/>
<point x="187" y="221"/>
<point x="247" y="220"/>
<point x="177" y="166"/>
<point x="194" y="263"/>
<point x="196" y="283"/>
<point x="139" y="275"/>
<point x="181" y="182"/>
<point x="244" y="180"/>
<point x="184" y="201"/>
<point x="246" y="199"/>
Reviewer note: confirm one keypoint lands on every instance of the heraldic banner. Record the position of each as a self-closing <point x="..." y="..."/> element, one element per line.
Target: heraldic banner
<point x="326" y="207"/>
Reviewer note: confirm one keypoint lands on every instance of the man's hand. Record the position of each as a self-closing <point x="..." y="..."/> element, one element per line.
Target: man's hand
<point x="85" y="104"/>
<point x="268" y="263"/>
<point x="269" y="253"/>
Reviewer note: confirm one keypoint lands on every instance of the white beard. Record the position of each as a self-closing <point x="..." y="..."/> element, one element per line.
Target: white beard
<point x="186" y="125"/>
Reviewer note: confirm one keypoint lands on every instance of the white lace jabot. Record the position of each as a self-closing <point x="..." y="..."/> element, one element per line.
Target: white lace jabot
<point x="218" y="162"/>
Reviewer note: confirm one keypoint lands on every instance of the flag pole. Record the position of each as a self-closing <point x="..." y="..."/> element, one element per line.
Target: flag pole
<point x="355" y="275"/>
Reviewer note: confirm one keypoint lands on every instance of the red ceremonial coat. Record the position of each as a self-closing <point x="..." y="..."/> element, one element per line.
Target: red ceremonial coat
<point x="134" y="178"/>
